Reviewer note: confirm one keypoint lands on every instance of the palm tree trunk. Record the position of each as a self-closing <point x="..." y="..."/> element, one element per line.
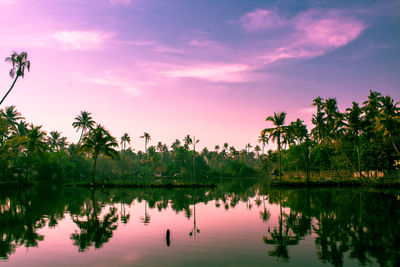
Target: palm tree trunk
<point x="358" y="160"/>
<point x="94" y="168"/>
<point x="394" y="145"/>
<point x="279" y="154"/>
<point x="9" y="90"/>
<point x="80" y="138"/>
<point x="307" y="156"/>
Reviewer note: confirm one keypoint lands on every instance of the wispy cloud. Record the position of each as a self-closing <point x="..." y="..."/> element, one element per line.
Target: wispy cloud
<point x="261" y="19"/>
<point x="120" y="2"/>
<point x="81" y="40"/>
<point x="112" y="78"/>
<point x="313" y="33"/>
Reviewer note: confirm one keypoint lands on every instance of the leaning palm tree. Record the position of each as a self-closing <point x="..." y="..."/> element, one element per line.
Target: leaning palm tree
<point x="147" y="138"/>
<point x="278" y="120"/>
<point x="99" y="141"/>
<point x="19" y="63"/>
<point x="125" y="139"/>
<point x="84" y="121"/>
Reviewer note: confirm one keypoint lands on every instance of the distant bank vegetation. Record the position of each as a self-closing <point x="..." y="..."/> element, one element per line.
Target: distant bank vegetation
<point x="360" y="143"/>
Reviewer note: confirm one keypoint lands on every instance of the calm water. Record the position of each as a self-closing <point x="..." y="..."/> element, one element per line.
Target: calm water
<point x="239" y="223"/>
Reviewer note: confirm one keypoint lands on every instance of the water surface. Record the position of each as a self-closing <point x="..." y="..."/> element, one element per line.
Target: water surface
<point x="238" y="223"/>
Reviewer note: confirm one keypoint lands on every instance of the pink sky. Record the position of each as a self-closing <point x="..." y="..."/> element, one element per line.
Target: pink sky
<point x="200" y="68"/>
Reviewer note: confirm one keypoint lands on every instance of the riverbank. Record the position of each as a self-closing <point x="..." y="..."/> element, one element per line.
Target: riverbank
<point x="335" y="183"/>
<point x="142" y="185"/>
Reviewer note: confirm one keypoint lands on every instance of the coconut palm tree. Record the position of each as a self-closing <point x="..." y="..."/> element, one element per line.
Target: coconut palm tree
<point x="85" y="122"/>
<point x="278" y="120"/>
<point x="248" y="147"/>
<point x="388" y="121"/>
<point x="19" y="63"/>
<point x="354" y="128"/>
<point x="99" y="141"/>
<point x="187" y="141"/>
<point x="263" y="139"/>
<point x="146" y="138"/>
<point x="125" y="139"/>
<point x="217" y="147"/>
<point x="36" y="139"/>
<point x="12" y="116"/>
<point x="257" y="149"/>
<point x="54" y="140"/>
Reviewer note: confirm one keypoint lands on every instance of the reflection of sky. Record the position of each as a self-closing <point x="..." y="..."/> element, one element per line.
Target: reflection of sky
<point x="226" y="236"/>
<point x="213" y="69"/>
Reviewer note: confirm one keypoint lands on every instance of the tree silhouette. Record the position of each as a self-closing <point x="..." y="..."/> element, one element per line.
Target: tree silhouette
<point x="19" y="63"/>
<point x="85" y="122"/>
<point x="99" y="141"/>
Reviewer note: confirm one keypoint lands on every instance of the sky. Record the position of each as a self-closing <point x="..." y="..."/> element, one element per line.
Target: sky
<point x="210" y="68"/>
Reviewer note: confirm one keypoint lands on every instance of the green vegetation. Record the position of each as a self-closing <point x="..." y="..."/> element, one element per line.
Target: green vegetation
<point x="360" y="144"/>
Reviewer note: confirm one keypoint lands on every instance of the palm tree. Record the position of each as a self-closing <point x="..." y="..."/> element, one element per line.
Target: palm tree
<point x="187" y="141"/>
<point x="257" y="149"/>
<point x="36" y="139"/>
<point x="54" y="140"/>
<point x="278" y="120"/>
<point x="216" y="148"/>
<point x="354" y="127"/>
<point x="19" y="63"/>
<point x="147" y="138"/>
<point x="248" y="147"/>
<point x="263" y="139"/>
<point x="99" y="141"/>
<point x="176" y="144"/>
<point x="12" y="116"/>
<point x="125" y="139"/>
<point x="84" y="121"/>
<point x="388" y="121"/>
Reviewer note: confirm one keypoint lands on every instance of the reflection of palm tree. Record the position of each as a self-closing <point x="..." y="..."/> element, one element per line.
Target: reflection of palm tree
<point x="280" y="238"/>
<point x="19" y="63"/>
<point x="195" y="230"/>
<point x="93" y="230"/>
<point x="124" y="217"/>
<point x="146" y="219"/>
<point x="265" y="214"/>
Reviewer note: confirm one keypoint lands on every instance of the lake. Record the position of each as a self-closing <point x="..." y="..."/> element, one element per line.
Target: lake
<point x="240" y="222"/>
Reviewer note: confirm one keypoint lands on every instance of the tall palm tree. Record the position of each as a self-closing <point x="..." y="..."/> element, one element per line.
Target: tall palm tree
<point x="263" y="139"/>
<point x="85" y="122"/>
<point x="125" y="139"/>
<point x="19" y="63"/>
<point x="354" y="128"/>
<point x="257" y="149"/>
<point x="278" y="120"/>
<point x="248" y="147"/>
<point x="216" y="148"/>
<point x="99" y="141"/>
<point x="147" y="138"/>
